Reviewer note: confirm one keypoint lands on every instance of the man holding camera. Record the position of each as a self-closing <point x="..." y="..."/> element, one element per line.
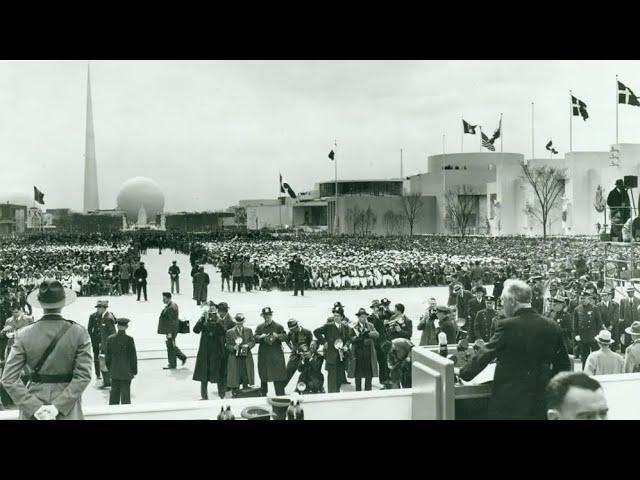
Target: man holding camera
<point x="299" y="339"/>
<point x="336" y="339"/>
<point x="270" y="335"/>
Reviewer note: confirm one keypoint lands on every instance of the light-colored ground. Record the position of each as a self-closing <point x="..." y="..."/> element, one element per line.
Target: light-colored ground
<point x="156" y="385"/>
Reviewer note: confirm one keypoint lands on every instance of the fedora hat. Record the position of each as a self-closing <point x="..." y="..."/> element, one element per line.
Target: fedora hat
<point x="634" y="329"/>
<point x="604" y="337"/>
<point x="51" y="294"/>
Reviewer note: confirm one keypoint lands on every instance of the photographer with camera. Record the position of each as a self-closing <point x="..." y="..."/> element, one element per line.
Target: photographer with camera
<point x="364" y="363"/>
<point x="299" y="339"/>
<point x="239" y="342"/>
<point x="336" y="339"/>
<point x="271" y="368"/>
<point x="211" y="362"/>
<point x="399" y="326"/>
<point x="311" y="379"/>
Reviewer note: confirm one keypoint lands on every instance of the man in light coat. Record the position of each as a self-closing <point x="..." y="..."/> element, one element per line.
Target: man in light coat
<point x="57" y="383"/>
<point x="240" y="369"/>
<point x="604" y="361"/>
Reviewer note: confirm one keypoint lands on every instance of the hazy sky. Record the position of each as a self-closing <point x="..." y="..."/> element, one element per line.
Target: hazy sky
<point x="214" y="132"/>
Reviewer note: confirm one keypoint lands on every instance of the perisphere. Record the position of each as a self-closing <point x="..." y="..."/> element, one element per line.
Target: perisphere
<point x="137" y="192"/>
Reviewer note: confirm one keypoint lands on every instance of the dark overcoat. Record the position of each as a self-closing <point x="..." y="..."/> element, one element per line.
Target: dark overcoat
<point x="271" y="367"/>
<point x="212" y="355"/>
<point x="234" y="362"/>
<point x="168" y="322"/>
<point x="121" y="357"/>
<point x="200" y="286"/>
<point x="363" y="352"/>
<point x="529" y="351"/>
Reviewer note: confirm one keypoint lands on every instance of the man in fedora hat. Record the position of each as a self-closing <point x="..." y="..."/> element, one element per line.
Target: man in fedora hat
<point x="102" y="324"/>
<point x="239" y="342"/>
<point x="58" y="354"/>
<point x="271" y="368"/>
<point x="619" y="203"/>
<point x="299" y="340"/>
<point x="122" y="363"/>
<point x="632" y="354"/>
<point x="168" y="325"/>
<point x="604" y="361"/>
<point x="327" y="335"/>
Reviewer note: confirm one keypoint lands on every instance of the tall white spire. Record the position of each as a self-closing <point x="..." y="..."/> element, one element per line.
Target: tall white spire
<point x="91" y="201"/>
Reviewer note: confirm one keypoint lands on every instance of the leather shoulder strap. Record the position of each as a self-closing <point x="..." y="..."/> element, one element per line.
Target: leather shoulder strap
<point x="52" y="346"/>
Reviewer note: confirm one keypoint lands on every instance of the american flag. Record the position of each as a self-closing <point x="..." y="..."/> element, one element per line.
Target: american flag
<point x="486" y="143"/>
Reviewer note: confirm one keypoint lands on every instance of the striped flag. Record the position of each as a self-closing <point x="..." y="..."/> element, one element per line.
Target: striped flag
<point x="486" y="143"/>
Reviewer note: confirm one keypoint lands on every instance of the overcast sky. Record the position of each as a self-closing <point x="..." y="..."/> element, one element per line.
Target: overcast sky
<point x="214" y="132"/>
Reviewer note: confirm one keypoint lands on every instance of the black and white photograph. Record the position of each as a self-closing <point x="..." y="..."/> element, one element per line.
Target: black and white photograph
<point x="320" y="240"/>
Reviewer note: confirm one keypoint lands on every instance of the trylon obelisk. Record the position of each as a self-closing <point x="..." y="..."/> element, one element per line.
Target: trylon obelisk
<point x="91" y="201"/>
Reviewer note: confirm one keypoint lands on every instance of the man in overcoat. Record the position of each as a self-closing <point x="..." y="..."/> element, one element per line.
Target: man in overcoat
<point x="629" y="313"/>
<point x="271" y="368"/>
<point x="200" y="284"/>
<point x="122" y="361"/>
<point x="327" y="335"/>
<point x="529" y="350"/>
<point x="168" y="326"/>
<point x="211" y="361"/>
<point x="298" y="339"/>
<point x="586" y="326"/>
<point x="57" y="383"/>
<point x="364" y="363"/>
<point x="140" y="280"/>
<point x="239" y="342"/>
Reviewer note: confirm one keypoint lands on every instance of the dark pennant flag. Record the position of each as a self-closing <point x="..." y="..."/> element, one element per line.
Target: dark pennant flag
<point x="281" y="187"/>
<point x="470" y="129"/>
<point x="486" y="143"/>
<point x="332" y="155"/>
<point x="550" y="148"/>
<point x="579" y="108"/>
<point x="625" y="95"/>
<point x="292" y="194"/>
<point x="496" y="134"/>
<point x="38" y="196"/>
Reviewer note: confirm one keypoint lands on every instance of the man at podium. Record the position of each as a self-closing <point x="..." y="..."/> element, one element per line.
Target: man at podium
<point x="620" y="207"/>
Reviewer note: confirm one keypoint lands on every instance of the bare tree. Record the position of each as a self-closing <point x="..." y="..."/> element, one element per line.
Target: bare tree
<point x="411" y="205"/>
<point x="548" y="185"/>
<point x="460" y="205"/>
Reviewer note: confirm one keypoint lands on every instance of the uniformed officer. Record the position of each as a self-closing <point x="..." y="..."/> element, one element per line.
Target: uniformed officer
<point x="564" y="319"/>
<point x="586" y="326"/>
<point x="484" y="319"/>
<point x="106" y="322"/>
<point x="174" y="274"/>
<point x="122" y="363"/>
<point x="58" y="353"/>
<point x="537" y="294"/>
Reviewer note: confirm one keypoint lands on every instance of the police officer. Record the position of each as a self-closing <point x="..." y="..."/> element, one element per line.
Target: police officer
<point x="140" y="281"/>
<point x="61" y="371"/>
<point x="174" y="274"/>
<point x="586" y="326"/>
<point x="299" y="340"/>
<point x="484" y="319"/>
<point x="537" y="294"/>
<point x="107" y="326"/>
<point x="564" y="319"/>
<point x="122" y="363"/>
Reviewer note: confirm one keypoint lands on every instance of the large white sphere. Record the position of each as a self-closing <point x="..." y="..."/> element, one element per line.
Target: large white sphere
<point x="137" y="192"/>
<point x="18" y="198"/>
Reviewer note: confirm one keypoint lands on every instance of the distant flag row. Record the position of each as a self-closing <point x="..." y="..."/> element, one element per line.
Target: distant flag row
<point x="625" y="96"/>
<point x="487" y="142"/>
<point x="549" y="147"/>
<point x="285" y="188"/>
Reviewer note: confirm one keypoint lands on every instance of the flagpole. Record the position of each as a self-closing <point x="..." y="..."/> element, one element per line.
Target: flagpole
<point x="570" y="122"/>
<point x="443" y="149"/>
<point x="501" y="134"/>
<point x="617" y="109"/>
<point x="401" y="170"/>
<point x="335" y="217"/>
<point x="480" y="127"/>
<point x="462" y="137"/>
<point x="532" y="133"/>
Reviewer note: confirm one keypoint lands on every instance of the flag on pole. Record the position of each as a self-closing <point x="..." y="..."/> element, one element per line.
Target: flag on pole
<point x="468" y="128"/>
<point x="281" y="186"/>
<point x="38" y="196"/>
<point x="290" y="191"/>
<point x="625" y="95"/>
<point x="549" y="147"/>
<point x="496" y="134"/>
<point x="579" y="108"/>
<point x="486" y="143"/>
<point x="331" y="155"/>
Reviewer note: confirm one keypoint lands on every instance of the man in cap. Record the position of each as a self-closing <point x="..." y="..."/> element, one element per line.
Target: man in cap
<point x="477" y="304"/>
<point x="586" y="325"/>
<point x="122" y="363"/>
<point x="168" y="326"/>
<point x="331" y="335"/>
<point x="239" y="342"/>
<point x="629" y="313"/>
<point x="610" y="312"/>
<point x="104" y="323"/>
<point x="632" y="354"/>
<point x="484" y="319"/>
<point x="140" y="280"/>
<point x="564" y="320"/>
<point x="58" y="353"/>
<point x="299" y="339"/>
<point x="174" y="275"/>
<point x="604" y="361"/>
<point x="271" y="368"/>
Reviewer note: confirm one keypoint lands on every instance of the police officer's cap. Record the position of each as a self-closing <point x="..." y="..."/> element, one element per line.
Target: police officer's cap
<point x="338" y="305"/>
<point x="239" y="317"/>
<point x="266" y="311"/>
<point x="361" y="312"/>
<point x="442" y="309"/>
<point x="339" y="310"/>
<point x="223" y="306"/>
<point x="123" y="321"/>
<point x="385" y="301"/>
<point x="489" y="298"/>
